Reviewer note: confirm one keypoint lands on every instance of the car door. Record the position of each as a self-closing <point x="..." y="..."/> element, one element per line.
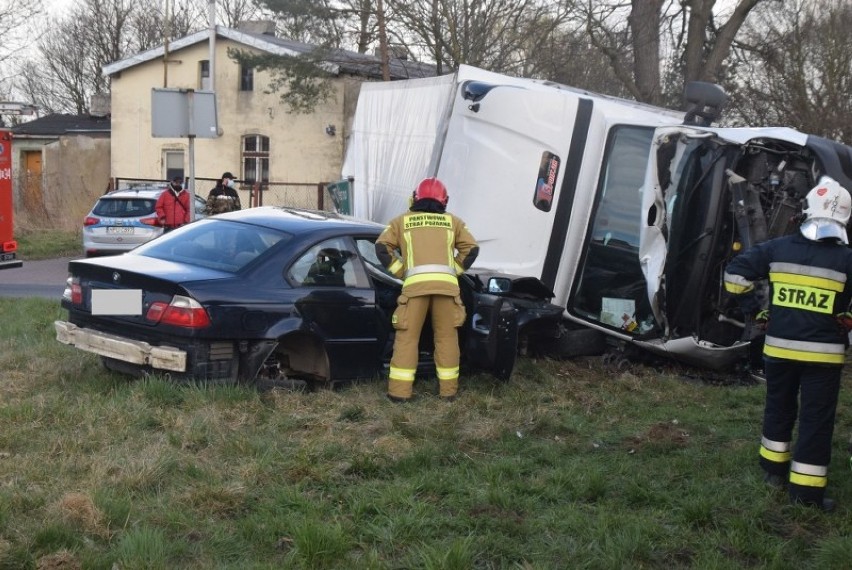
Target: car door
<point x="489" y="337"/>
<point x="339" y="305"/>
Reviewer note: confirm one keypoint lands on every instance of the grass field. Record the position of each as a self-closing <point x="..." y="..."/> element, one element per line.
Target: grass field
<point x="45" y="244"/>
<point x="568" y="465"/>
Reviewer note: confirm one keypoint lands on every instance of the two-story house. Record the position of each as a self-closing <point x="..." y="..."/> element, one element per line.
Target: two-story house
<point x="260" y="141"/>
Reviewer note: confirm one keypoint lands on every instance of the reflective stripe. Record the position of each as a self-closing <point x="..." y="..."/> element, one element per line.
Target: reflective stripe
<point x="805" y="287"/>
<point x="444" y="277"/>
<point x="828" y="353"/>
<point x="803" y="297"/>
<point x="395" y="267"/>
<point x="430" y="268"/>
<point x="775" y="456"/>
<point x="737" y="284"/>
<point x="778" y="446"/>
<point x="427" y="220"/>
<point x="830" y="275"/>
<point x="409" y="250"/>
<point x="451" y="249"/>
<point x="447" y="373"/>
<point x="809" y="469"/>
<point x="402" y="374"/>
<point x="807" y="480"/>
<point x="805" y="280"/>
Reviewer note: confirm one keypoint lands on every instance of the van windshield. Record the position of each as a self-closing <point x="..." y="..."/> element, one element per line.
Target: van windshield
<point x="611" y="288"/>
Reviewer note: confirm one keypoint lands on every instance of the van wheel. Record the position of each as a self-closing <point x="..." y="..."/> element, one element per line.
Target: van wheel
<point x="577" y="342"/>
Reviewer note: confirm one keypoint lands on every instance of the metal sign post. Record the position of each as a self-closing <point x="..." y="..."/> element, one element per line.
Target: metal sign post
<point x="177" y="113"/>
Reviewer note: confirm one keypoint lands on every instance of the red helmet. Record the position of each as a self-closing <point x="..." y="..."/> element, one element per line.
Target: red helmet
<point x="432" y="188"/>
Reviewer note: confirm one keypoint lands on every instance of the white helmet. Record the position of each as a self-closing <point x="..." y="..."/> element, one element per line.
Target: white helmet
<point x="827" y="210"/>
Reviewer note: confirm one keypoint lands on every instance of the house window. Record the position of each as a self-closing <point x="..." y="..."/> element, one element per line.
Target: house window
<point x="173" y="161"/>
<point x="255" y="159"/>
<point x="246" y="78"/>
<point x="204" y="74"/>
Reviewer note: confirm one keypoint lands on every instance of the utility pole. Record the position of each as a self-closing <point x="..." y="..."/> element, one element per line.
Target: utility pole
<point x="383" y="40"/>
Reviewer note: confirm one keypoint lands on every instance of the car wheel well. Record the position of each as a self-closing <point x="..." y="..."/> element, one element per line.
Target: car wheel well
<point x="303" y="356"/>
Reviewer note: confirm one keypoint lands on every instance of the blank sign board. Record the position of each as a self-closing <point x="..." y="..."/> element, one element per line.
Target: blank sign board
<point x="177" y="113"/>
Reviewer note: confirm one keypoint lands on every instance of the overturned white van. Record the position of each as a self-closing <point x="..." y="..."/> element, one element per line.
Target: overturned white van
<point x="625" y="211"/>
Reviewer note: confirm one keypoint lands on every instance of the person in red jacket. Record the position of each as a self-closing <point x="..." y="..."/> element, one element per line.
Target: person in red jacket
<point x="173" y="206"/>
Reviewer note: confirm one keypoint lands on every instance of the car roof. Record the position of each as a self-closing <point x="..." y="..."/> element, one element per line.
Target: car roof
<point x="299" y="221"/>
<point x="151" y="191"/>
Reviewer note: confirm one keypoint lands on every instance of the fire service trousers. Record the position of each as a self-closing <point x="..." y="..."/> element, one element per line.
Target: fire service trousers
<point x="447" y="314"/>
<point x="811" y="391"/>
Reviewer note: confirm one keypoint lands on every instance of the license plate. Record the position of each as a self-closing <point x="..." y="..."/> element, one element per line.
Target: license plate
<point x="119" y="230"/>
<point x="116" y="301"/>
<point x="7" y="256"/>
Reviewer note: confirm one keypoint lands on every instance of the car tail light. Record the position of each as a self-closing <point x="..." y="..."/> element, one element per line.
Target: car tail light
<point x="10" y="246"/>
<point x="73" y="291"/>
<point x="181" y="312"/>
<point x="90" y="221"/>
<point x="150" y="221"/>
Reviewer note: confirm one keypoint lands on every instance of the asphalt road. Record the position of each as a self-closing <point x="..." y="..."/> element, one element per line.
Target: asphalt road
<point x="43" y="278"/>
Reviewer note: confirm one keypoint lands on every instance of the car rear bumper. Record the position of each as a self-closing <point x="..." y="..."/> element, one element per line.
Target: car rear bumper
<point x="119" y="348"/>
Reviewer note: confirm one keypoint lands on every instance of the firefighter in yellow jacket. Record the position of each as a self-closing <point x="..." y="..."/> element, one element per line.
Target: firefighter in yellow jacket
<point x="427" y="248"/>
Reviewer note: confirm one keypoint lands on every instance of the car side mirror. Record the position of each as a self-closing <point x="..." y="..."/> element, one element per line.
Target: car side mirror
<point x="499" y="285"/>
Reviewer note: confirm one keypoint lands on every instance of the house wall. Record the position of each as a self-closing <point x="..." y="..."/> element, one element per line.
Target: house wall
<point x="75" y="172"/>
<point x="300" y="149"/>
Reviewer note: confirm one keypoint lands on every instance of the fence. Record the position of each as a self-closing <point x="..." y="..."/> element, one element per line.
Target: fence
<point x="309" y="195"/>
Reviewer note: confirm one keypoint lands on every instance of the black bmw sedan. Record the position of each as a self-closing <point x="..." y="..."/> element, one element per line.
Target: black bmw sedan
<point x="277" y="296"/>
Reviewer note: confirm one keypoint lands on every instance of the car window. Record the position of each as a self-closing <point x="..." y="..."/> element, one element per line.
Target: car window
<point x="214" y="243"/>
<point x="331" y="263"/>
<point x="124" y="207"/>
<point x="367" y="249"/>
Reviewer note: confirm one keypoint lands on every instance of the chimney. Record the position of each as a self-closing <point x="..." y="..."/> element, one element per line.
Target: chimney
<point x="99" y="105"/>
<point x="264" y="27"/>
<point x="394" y="52"/>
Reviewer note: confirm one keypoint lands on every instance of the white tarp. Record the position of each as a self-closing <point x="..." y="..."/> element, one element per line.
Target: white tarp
<point x="388" y="158"/>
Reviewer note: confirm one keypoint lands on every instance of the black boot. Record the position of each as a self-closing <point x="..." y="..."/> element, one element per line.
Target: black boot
<point x="826" y="505"/>
<point x="775" y="481"/>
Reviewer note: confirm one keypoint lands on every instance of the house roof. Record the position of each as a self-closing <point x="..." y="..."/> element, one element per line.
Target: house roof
<point x="58" y="124"/>
<point x="339" y="61"/>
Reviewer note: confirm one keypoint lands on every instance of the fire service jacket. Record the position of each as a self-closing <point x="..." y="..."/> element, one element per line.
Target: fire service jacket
<point x="427" y="250"/>
<point x="809" y="284"/>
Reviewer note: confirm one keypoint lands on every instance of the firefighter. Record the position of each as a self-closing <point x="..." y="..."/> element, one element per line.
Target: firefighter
<point x="427" y="248"/>
<point x="807" y="329"/>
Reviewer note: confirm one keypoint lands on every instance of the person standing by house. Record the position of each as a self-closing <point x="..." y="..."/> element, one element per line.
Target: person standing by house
<point x="173" y="206"/>
<point x="810" y="279"/>
<point x="223" y="197"/>
<point x="426" y="247"/>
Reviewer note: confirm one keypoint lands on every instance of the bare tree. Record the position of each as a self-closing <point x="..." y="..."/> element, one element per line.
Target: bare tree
<point x="67" y="69"/>
<point x="499" y="35"/>
<point x="231" y="12"/>
<point x="15" y="29"/>
<point x="656" y="46"/>
<point x="795" y="69"/>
